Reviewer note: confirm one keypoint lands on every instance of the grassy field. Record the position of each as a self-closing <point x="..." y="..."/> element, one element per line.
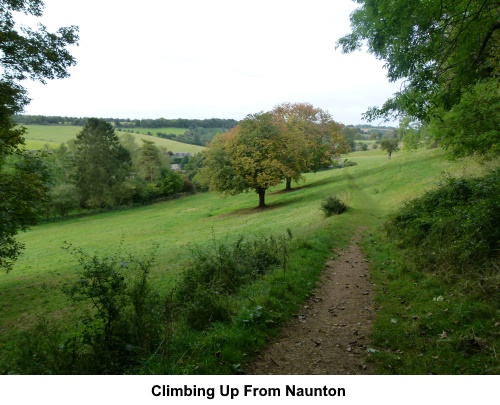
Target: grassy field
<point x="372" y="189"/>
<point x="37" y="136"/>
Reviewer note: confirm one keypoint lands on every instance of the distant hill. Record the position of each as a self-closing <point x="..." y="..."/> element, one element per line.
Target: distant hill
<point x="37" y="136"/>
<point x="189" y="131"/>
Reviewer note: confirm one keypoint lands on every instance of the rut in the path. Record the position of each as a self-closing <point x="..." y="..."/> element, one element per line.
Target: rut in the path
<point x="331" y="333"/>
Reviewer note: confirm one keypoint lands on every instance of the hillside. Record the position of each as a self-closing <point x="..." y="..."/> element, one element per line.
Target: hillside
<point x="37" y="136"/>
<point x="372" y="189"/>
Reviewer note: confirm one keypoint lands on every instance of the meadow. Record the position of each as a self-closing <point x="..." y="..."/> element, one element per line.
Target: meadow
<point x="37" y="136"/>
<point x="372" y="189"/>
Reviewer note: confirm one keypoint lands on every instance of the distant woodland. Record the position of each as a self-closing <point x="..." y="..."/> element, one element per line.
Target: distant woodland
<point x="127" y="122"/>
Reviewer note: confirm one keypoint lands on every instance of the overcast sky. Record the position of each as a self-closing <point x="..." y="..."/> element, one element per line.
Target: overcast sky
<point x="204" y="59"/>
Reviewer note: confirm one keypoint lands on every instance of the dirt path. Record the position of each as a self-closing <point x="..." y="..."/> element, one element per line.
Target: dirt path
<point x="331" y="333"/>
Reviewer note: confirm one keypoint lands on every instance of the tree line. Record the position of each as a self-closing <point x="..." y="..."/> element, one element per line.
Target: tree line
<point x="193" y="136"/>
<point x="99" y="170"/>
<point x="23" y="119"/>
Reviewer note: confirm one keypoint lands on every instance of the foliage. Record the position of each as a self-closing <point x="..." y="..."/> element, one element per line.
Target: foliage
<point x="432" y="323"/>
<point x="37" y="55"/>
<point x="248" y="157"/>
<point x="24" y="185"/>
<point x="473" y="125"/>
<point x="377" y="188"/>
<point x="267" y="148"/>
<point x="192" y="168"/>
<point x="311" y="139"/>
<point x="346" y="163"/>
<point x="333" y="205"/>
<point x="102" y="164"/>
<point x="149" y="161"/>
<point x="214" y="274"/>
<point x="199" y="136"/>
<point x="455" y="226"/>
<point x="390" y="145"/>
<point x="122" y="322"/>
<point x="63" y="198"/>
<point x="438" y="48"/>
<point x="25" y="53"/>
<point x="171" y="183"/>
<point x="177" y="123"/>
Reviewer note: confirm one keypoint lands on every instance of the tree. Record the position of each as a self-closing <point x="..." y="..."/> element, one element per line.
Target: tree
<point x="63" y="198"/>
<point x="149" y="161"/>
<point x="390" y="145"/>
<point x="439" y="50"/>
<point x="472" y="126"/>
<point x="24" y="54"/>
<point x="24" y="186"/>
<point x="311" y="138"/>
<point x="350" y="134"/>
<point x="248" y="157"/>
<point x="171" y="182"/>
<point x="102" y="164"/>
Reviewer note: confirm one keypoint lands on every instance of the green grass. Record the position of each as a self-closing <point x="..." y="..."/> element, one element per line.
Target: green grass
<point x="372" y="189"/>
<point x="37" y="136"/>
<point x="427" y="323"/>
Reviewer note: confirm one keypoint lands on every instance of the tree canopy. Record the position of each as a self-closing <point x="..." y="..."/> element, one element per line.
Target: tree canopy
<point x="102" y="164"/>
<point x="24" y="54"/>
<point x="266" y="148"/>
<point x="438" y="49"/>
<point x="312" y="138"/>
<point x="248" y="157"/>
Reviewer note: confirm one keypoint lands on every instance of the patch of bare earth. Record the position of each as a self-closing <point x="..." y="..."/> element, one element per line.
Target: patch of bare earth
<point x="330" y="335"/>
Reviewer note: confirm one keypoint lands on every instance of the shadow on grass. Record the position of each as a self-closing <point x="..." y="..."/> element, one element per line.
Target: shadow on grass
<point x="310" y="185"/>
<point x="291" y="199"/>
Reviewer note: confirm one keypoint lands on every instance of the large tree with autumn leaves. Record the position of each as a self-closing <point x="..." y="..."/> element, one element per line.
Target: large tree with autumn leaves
<point x="267" y="148"/>
<point x="313" y="138"/>
<point x="248" y="157"/>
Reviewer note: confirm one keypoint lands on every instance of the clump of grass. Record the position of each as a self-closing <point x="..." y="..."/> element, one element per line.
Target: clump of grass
<point x="333" y="205"/>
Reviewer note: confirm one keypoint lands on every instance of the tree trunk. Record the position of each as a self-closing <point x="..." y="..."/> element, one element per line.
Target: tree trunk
<point x="288" y="186"/>
<point x="262" y="195"/>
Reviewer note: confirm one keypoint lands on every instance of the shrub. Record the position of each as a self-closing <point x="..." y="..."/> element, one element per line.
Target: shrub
<point x="333" y="205"/>
<point x="457" y="225"/>
<point x="122" y="322"/>
<point x="213" y="275"/>
<point x="171" y="182"/>
<point x="63" y="198"/>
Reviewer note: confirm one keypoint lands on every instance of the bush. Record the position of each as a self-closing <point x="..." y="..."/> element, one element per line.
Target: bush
<point x="215" y="274"/>
<point x="122" y="322"/>
<point x="63" y="199"/>
<point x="333" y="205"/>
<point x="171" y="183"/>
<point x="457" y="225"/>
